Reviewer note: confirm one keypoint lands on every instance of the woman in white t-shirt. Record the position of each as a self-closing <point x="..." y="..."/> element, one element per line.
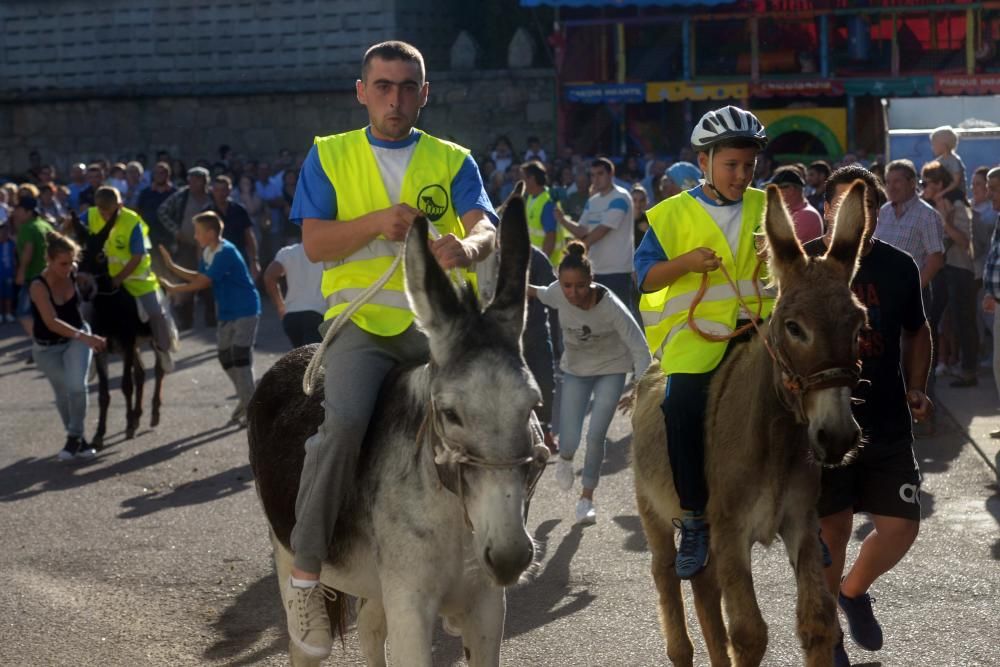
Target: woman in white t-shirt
<point x="301" y="307"/>
<point x="601" y="343"/>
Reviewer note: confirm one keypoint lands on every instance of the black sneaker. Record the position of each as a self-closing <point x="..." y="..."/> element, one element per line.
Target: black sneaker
<point x="865" y="629"/>
<point x="69" y="450"/>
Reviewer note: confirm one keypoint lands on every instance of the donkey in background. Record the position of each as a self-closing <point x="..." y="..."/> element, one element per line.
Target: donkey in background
<point x="777" y="411"/>
<point x="435" y="522"/>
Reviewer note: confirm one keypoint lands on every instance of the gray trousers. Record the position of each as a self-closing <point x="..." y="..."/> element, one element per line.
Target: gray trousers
<point x="356" y="363"/>
<point x="235" y="339"/>
<point x="158" y="324"/>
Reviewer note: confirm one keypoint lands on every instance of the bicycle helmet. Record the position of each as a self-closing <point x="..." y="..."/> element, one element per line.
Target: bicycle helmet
<point x="725" y="124"/>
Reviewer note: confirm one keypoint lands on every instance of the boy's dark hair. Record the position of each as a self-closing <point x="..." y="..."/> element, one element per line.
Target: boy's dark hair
<point x="576" y="258"/>
<point x="605" y="163"/>
<point x="935" y="171"/>
<point x="822" y="167"/>
<point x="107" y="196"/>
<point x="849" y="174"/>
<point x="211" y="221"/>
<point x="981" y="171"/>
<point x="903" y="165"/>
<point x="536" y="170"/>
<point x="393" y="50"/>
<point x="222" y="178"/>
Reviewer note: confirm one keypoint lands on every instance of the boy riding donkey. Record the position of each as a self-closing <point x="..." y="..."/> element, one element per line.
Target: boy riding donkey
<point x="357" y="196"/>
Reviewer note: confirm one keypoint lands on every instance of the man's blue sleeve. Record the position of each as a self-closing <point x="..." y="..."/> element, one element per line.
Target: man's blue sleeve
<point x="468" y="193"/>
<point x="648" y="253"/>
<point x="315" y="196"/>
<point x="549" y="217"/>
<point x="136" y="242"/>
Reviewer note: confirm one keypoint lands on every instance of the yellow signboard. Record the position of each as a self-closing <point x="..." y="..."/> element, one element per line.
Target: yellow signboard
<point x="678" y="91"/>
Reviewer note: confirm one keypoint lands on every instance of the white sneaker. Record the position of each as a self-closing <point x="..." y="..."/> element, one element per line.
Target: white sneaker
<point x="586" y="513"/>
<point x="10" y="319"/>
<point x="308" y="624"/>
<point x="564" y="474"/>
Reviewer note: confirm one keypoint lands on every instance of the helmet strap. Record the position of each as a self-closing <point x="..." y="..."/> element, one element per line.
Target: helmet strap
<point x="709" y="183"/>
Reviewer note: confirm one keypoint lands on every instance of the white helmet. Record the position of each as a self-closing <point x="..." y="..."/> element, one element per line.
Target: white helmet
<point x="727" y="123"/>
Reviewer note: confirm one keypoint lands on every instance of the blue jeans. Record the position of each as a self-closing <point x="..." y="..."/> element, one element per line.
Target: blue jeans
<point x="576" y="393"/>
<point x="66" y="365"/>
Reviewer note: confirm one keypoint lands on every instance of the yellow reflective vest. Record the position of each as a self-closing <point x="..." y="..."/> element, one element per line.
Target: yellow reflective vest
<point x="142" y="280"/>
<point x="349" y="163"/>
<point x="533" y="208"/>
<point x="681" y="224"/>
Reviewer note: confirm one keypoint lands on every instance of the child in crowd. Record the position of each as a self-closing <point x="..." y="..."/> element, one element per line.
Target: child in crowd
<point x="944" y="141"/>
<point x="602" y="342"/>
<point x="691" y="234"/>
<point x="222" y="268"/>
<point x="8" y="269"/>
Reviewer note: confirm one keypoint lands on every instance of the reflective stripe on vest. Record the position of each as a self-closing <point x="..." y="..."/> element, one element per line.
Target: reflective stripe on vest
<point x="682" y="224"/>
<point x="349" y="163"/>
<point x="117" y="249"/>
<point x="534" y="208"/>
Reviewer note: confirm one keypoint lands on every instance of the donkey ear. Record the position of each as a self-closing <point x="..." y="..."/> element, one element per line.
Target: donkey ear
<point x="430" y="293"/>
<point x="516" y="193"/>
<point x="507" y="308"/>
<point x="786" y="254"/>
<point x="849" y="229"/>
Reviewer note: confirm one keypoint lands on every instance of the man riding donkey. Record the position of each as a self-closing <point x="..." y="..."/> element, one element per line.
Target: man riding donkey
<point x="357" y="196"/>
<point x="127" y="249"/>
<point x="691" y="234"/>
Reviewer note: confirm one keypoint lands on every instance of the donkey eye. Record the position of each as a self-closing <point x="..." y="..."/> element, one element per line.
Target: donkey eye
<point x="451" y="416"/>
<point x="793" y="328"/>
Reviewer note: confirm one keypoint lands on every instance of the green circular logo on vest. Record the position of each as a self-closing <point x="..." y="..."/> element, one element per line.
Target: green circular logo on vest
<point x="433" y="202"/>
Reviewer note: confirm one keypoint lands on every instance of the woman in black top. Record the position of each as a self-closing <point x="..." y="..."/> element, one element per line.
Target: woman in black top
<point x="63" y="343"/>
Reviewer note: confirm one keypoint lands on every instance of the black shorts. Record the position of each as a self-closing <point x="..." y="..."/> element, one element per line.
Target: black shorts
<point x="878" y="482"/>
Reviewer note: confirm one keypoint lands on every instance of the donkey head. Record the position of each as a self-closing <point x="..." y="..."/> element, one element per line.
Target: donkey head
<point x="816" y="321"/>
<point x="482" y="393"/>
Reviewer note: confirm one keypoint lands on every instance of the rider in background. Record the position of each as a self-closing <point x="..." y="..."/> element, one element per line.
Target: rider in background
<point x="884" y="481"/>
<point x="691" y="234"/>
<point x="127" y="248"/>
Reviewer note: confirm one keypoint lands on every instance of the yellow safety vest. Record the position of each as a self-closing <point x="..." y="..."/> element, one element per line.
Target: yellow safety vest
<point x="535" y="206"/>
<point x="681" y="224"/>
<point x="116" y="248"/>
<point x="349" y="163"/>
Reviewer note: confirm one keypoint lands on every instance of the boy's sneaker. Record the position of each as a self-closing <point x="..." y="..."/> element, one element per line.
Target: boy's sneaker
<point x="76" y="448"/>
<point x="564" y="474"/>
<point x="840" y="657"/>
<point x="85" y="451"/>
<point x="239" y="415"/>
<point x="586" y="514"/>
<point x="308" y="623"/>
<point x="865" y="630"/>
<point x="692" y="555"/>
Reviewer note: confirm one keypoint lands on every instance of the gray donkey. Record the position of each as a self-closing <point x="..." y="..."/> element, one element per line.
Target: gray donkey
<point x="778" y="408"/>
<point x="435" y="522"/>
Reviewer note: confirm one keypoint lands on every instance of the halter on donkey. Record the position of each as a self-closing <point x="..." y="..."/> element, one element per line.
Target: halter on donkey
<point x="115" y="315"/>
<point x="779" y="408"/>
<point x="434" y="525"/>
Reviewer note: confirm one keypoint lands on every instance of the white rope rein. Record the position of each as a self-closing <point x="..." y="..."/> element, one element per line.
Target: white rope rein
<point x="342" y="318"/>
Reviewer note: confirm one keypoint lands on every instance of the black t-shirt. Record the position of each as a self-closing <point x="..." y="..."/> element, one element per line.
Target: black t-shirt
<point x="236" y="222"/>
<point x="888" y="285"/>
<point x="147" y="206"/>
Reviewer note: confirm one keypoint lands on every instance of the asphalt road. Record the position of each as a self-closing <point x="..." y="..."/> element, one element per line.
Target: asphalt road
<point x="156" y="553"/>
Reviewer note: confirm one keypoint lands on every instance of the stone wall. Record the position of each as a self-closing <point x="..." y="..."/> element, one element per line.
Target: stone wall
<point x="470" y="108"/>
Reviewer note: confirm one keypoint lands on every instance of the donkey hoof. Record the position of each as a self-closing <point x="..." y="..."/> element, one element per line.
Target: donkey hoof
<point x="97" y="442"/>
<point x="155" y="421"/>
<point x="130" y="432"/>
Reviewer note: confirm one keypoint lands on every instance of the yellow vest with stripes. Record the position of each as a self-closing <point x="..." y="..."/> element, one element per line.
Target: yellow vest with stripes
<point x="142" y="280"/>
<point x="349" y="163"/>
<point x="535" y="205"/>
<point x="681" y="224"/>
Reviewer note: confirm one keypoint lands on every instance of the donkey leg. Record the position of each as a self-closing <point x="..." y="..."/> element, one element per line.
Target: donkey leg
<point x="283" y="560"/>
<point x="482" y="629"/>
<point x="816" y="612"/>
<point x="128" y="381"/>
<point x="410" y="616"/>
<point x="103" y="400"/>
<point x="747" y="629"/>
<point x="139" y="377"/>
<point x="673" y="622"/>
<point x="372" y="632"/>
<point x="708" y="604"/>
<point x="157" y="393"/>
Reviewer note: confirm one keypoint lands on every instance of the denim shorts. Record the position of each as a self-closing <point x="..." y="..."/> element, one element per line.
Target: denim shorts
<point x="23" y="308"/>
<point x="6" y="288"/>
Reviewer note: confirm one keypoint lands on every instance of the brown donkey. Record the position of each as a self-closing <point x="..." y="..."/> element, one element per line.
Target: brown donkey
<point x="778" y="409"/>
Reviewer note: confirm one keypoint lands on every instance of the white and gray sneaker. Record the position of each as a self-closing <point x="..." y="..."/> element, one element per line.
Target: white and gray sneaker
<point x="308" y="623"/>
<point x="564" y="474"/>
<point x="586" y="513"/>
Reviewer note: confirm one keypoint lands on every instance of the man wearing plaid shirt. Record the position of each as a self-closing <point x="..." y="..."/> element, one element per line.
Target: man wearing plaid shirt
<point x="991" y="278"/>
<point x="909" y="223"/>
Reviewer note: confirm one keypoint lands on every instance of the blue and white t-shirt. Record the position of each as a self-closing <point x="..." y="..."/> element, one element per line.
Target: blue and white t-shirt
<point x="613" y="253"/>
<point x="233" y="288"/>
<point x="315" y="196"/>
